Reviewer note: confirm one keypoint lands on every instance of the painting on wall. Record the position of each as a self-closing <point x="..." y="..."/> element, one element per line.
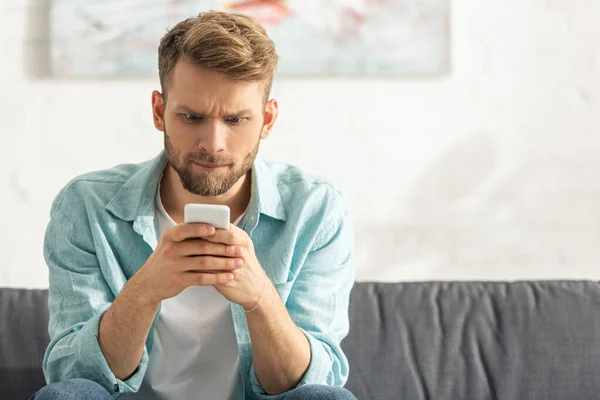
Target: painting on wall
<point x="119" y="38"/>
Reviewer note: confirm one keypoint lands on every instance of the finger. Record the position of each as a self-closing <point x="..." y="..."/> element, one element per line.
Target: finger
<point x="232" y="236"/>
<point x="199" y="247"/>
<point x="181" y="232"/>
<point x="207" y="279"/>
<point x="210" y="263"/>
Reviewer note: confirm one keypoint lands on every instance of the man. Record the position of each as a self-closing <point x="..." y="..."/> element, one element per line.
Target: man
<point x="145" y="305"/>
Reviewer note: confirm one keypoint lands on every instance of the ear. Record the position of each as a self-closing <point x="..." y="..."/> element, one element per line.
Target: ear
<point x="271" y="114"/>
<point x="158" y="109"/>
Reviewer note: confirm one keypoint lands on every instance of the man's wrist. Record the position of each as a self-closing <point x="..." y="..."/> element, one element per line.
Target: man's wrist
<point x="139" y="294"/>
<point x="254" y="303"/>
<point x="268" y="302"/>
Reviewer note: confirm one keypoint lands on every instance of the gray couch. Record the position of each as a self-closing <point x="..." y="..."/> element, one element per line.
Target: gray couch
<point x="434" y="340"/>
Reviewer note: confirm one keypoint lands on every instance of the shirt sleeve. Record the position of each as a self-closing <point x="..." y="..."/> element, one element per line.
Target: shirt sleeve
<point x="318" y="304"/>
<point x="78" y="297"/>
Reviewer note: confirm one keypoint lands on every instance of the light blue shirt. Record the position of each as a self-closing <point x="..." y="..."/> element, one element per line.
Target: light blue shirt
<point x="103" y="229"/>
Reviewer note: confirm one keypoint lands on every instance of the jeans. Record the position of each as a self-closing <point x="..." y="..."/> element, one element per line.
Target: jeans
<point x="72" y="389"/>
<point x="319" y="392"/>
<point x="84" y="389"/>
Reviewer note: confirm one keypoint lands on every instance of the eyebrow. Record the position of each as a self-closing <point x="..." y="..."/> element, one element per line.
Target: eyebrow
<point x="184" y="108"/>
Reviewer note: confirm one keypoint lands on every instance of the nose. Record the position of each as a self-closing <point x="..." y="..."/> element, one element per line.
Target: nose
<point x="213" y="137"/>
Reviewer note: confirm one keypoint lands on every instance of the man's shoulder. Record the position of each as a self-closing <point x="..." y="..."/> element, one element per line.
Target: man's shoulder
<point x="97" y="186"/>
<point x="297" y="187"/>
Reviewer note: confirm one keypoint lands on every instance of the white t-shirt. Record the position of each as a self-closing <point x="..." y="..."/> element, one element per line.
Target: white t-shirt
<point x="195" y="353"/>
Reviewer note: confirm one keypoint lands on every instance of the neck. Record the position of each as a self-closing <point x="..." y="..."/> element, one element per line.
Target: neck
<point x="174" y="197"/>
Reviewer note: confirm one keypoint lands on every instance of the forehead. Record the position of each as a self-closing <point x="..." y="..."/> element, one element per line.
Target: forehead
<point x="194" y="86"/>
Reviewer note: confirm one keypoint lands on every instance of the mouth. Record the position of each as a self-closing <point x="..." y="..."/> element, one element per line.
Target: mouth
<point x="209" y="165"/>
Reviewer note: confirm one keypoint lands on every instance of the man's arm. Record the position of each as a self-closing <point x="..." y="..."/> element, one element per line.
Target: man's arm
<point x="124" y="329"/>
<point x="301" y="344"/>
<point x="94" y="335"/>
<point x="280" y="350"/>
<point x="317" y="308"/>
<point x="169" y="270"/>
<point x="78" y="298"/>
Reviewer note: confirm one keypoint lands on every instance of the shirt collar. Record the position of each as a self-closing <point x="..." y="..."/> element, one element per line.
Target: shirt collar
<point x="135" y="200"/>
<point x="265" y="192"/>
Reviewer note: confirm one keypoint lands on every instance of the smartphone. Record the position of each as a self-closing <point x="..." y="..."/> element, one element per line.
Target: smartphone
<point x="215" y="215"/>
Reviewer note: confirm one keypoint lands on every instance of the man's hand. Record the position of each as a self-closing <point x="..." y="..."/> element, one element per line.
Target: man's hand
<point x="249" y="280"/>
<point x="183" y="259"/>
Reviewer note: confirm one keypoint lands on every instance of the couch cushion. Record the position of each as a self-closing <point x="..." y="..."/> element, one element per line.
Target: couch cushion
<point x="475" y="340"/>
<point x="23" y="340"/>
<point x="433" y="340"/>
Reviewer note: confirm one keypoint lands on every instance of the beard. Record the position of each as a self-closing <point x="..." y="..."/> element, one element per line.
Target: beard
<point x="207" y="183"/>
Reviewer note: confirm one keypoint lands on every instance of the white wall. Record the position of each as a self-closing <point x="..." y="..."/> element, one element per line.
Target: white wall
<point x="488" y="173"/>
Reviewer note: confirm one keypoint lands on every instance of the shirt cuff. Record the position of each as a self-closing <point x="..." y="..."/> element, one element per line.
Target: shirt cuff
<point x="92" y="359"/>
<point x="258" y="389"/>
<point x="320" y="365"/>
<point x="317" y="372"/>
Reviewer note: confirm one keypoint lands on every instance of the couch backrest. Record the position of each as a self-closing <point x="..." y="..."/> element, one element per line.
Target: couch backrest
<point x="23" y="340"/>
<point x="433" y="340"/>
<point x="475" y="340"/>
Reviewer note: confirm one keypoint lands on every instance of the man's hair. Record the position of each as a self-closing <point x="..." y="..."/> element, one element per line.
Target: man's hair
<point x="233" y="44"/>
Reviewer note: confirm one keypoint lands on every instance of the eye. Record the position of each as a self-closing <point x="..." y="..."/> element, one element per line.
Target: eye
<point x="192" y="117"/>
<point x="237" y="120"/>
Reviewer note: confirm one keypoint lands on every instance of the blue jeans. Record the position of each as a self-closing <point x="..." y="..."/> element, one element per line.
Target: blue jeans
<point x="72" y="389"/>
<point x="84" y="389"/>
<point x="319" y="392"/>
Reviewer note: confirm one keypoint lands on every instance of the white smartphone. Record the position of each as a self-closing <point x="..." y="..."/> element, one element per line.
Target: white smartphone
<point x="215" y="215"/>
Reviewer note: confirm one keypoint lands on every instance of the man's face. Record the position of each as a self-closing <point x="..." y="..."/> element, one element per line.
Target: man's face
<point x="212" y="127"/>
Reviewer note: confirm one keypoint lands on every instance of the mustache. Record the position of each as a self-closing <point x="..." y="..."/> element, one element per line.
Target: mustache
<point x="210" y="159"/>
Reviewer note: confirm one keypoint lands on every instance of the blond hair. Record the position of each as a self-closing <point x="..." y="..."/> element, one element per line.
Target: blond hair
<point x="233" y="44"/>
